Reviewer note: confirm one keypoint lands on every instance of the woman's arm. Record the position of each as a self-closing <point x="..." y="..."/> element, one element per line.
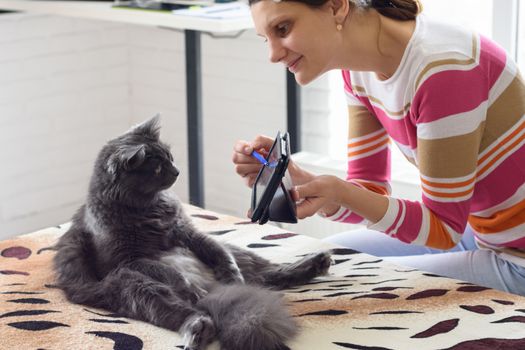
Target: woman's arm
<point x="361" y="197"/>
<point x="449" y="139"/>
<point x="329" y="193"/>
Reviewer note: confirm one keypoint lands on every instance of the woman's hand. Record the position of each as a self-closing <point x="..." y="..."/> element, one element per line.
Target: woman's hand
<point x="248" y="167"/>
<point x="328" y="193"/>
<point x="318" y="194"/>
<point x="245" y="164"/>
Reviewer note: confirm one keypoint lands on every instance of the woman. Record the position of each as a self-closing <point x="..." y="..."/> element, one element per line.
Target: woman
<point x="450" y="99"/>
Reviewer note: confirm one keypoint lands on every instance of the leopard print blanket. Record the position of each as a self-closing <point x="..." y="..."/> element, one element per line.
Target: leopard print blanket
<point x="364" y="303"/>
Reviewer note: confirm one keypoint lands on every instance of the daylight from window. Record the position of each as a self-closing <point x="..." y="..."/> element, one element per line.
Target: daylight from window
<point x="521" y="36"/>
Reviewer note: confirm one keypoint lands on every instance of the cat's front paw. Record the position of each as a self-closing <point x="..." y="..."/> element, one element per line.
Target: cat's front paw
<point x="197" y="332"/>
<point x="193" y="293"/>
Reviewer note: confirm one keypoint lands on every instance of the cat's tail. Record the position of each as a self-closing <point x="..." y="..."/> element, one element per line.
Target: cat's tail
<point x="249" y="317"/>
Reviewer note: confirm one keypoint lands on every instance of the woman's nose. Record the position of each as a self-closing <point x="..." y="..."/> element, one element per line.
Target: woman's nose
<point x="277" y="51"/>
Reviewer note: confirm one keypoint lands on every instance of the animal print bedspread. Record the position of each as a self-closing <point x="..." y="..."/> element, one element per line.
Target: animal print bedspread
<point x="365" y="303"/>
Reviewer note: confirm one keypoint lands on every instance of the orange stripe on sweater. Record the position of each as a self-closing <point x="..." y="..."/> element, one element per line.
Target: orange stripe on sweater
<point x="501" y="143"/>
<point x="448" y="185"/>
<point x="373" y="187"/>
<point x="499" y="156"/>
<point x="362" y="142"/>
<point x="368" y="149"/>
<point x="500" y="221"/>
<point x="438" y="236"/>
<point x="448" y="195"/>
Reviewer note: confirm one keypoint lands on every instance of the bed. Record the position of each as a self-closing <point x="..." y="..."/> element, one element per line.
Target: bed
<point x="364" y="302"/>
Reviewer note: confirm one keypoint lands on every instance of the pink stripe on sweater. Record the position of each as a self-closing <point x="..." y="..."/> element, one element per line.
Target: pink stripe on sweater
<point x="454" y="214"/>
<point x="450" y="92"/>
<point x="492" y="59"/>
<point x="347" y="80"/>
<point x="518" y="243"/>
<point x="372" y="168"/>
<point x="505" y="178"/>
<point x="411" y="225"/>
<point x="397" y="129"/>
<point x="401" y="130"/>
<point x="340" y="217"/>
<point x="353" y="219"/>
<point x="399" y="214"/>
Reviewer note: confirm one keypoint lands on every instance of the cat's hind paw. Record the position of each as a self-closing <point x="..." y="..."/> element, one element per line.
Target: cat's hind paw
<point x="197" y="331"/>
<point x="321" y="263"/>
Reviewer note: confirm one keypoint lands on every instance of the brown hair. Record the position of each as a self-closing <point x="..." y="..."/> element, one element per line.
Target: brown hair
<point x="403" y="10"/>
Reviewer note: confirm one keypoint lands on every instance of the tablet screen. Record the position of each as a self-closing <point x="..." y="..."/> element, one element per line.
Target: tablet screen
<point x="267" y="172"/>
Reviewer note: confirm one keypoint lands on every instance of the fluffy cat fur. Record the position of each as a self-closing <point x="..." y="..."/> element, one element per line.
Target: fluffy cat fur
<point x="132" y="250"/>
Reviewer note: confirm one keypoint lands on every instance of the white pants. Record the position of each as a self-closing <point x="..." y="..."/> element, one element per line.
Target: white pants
<point x="464" y="262"/>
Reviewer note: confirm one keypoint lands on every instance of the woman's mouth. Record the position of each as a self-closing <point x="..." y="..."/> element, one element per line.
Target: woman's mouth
<point x="292" y="67"/>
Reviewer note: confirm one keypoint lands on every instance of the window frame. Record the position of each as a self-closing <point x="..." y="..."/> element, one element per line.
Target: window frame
<point x="505" y="25"/>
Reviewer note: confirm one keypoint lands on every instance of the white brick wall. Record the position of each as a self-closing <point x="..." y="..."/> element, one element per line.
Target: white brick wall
<point x="68" y="85"/>
<point x="157" y="85"/>
<point x="63" y="92"/>
<point x="244" y="95"/>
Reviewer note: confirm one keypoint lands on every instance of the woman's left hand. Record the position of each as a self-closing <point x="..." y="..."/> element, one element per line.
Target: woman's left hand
<point x="315" y="195"/>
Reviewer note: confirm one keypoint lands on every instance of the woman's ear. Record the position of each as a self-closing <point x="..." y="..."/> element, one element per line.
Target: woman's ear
<point x="339" y="9"/>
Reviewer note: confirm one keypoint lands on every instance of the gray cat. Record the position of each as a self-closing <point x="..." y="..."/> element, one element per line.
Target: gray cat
<point x="132" y="250"/>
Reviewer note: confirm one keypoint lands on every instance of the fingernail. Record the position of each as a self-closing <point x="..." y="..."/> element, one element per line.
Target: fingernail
<point x="247" y="149"/>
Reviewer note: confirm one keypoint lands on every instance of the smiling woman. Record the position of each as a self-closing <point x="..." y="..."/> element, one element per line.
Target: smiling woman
<point x="318" y="48"/>
<point x="452" y="101"/>
<point x="300" y="54"/>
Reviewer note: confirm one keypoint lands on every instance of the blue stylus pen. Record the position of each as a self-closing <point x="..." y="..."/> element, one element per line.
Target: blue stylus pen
<point x="260" y="158"/>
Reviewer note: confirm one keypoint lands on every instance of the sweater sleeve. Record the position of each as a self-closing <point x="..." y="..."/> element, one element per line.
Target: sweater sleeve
<point x="368" y="151"/>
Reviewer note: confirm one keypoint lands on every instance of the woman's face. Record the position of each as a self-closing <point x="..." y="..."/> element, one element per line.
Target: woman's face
<point x="302" y="38"/>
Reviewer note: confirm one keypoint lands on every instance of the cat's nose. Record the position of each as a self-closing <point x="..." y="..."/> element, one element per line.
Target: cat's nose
<point x="175" y="171"/>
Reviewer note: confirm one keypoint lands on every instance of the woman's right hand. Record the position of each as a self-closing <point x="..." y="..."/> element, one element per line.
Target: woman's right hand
<point x="246" y="165"/>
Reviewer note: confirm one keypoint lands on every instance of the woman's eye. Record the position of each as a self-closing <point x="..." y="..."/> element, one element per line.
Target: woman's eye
<point x="282" y="29"/>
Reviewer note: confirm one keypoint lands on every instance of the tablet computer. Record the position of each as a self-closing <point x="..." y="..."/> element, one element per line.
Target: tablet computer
<point x="271" y="199"/>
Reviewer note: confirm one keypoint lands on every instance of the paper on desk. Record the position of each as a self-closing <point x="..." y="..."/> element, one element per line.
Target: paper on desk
<point x="189" y="2"/>
<point x="219" y="11"/>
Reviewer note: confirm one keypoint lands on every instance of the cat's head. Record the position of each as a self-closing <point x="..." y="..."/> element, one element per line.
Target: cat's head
<point x="136" y="165"/>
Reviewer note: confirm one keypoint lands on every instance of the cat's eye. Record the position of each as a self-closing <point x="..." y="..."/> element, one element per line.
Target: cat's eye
<point x="158" y="169"/>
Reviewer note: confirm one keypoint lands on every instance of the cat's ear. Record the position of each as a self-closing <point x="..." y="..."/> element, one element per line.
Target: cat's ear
<point x="150" y="128"/>
<point x="133" y="157"/>
<point x="128" y="158"/>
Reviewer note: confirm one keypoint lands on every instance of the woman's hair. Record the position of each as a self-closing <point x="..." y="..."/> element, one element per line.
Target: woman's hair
<point x="403" y="10"/>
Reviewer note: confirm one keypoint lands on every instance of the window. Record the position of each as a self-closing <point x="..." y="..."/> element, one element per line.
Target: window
<point x="521" y="36"/>
<point x="476" y="14"/>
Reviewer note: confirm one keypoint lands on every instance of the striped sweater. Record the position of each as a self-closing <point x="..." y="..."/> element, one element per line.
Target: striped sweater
<point x="456" y="109"/>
